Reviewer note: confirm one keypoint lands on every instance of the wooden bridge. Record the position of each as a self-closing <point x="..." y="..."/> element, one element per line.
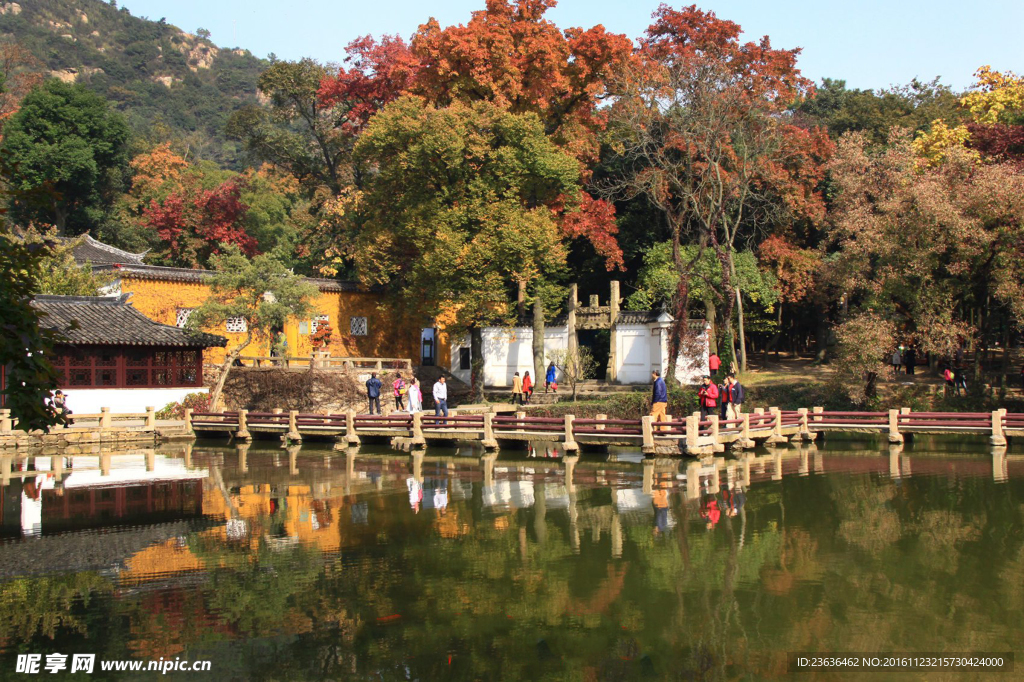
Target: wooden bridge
<point x="691" y="435"/>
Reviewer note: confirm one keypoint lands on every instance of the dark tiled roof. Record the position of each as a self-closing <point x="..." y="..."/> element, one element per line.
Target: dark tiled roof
<point x="165" y="274"/>
<point x="88" y="250"/>
<point x="112" y="320"/>
<point x="637" y="316"/>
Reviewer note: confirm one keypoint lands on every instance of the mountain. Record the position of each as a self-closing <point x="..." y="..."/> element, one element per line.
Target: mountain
<point x="169" y="83"/>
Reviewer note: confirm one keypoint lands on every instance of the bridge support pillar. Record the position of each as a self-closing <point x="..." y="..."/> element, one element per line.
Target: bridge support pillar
<point x="570" y="444"/>
<point x="293" y="427"/>
<point x="489" y="442"/>
<point x="693" y="434"/>
<point x="418" y="440"/>
<point x="777" y="436"/>
<point x="997" y="439"/>
<point x="894" y="427"/>
<point x="188" y="422"/>
<point x="243" y="426"/>
<point x="805" y="429"/>
<point x="715" y="445"/>
<point x="647" y="429"/>
<point x="350" y="428"/>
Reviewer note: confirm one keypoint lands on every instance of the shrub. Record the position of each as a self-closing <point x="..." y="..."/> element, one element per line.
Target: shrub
<point x="197" y="402"/>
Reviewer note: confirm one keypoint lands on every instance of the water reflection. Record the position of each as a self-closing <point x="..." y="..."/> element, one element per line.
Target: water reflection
<point x="316" y="563"/>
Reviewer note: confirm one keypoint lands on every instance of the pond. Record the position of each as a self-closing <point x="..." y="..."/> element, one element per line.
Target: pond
<point x="319" y="564"/>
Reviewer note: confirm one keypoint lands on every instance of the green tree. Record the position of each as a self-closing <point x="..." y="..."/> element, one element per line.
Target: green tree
<point x="67" y="142"/>
<point x="458" y="212"/>
<point x="262" y="292"/>
<point x="28" y="375"/>
<point x="58" y="273"/>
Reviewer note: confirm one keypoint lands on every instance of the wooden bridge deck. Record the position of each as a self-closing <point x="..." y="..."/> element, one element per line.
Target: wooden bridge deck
<point x="691" y="436"/>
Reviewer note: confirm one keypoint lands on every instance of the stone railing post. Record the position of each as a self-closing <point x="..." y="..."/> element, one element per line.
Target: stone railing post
<point x="104" y="417"/>
<point x="378" y="366"/>
<point x="150" y="418"/>
<point x="715" y="426"/>
<point x="293" y="426"/>
<point x="805" y="427"/>
<point x="350" y="428"/>
<point x="647" y="429"/>
<point x="243" y="425"/>
<point x="894" y="427"/>
<point x="997" y="437"/>
<point x="692" y="433"/>
<point x="601" y="417"/>
<point x="188" y="421"/>
<point x="489" y="441"/>
<point x="570" y="444"/>
<point x="5" y="421"/>
<point x="744" y="441"/>
<point x="418" y="439"/>
<point x="817" y="413"/>
<point x="776" y="436"/>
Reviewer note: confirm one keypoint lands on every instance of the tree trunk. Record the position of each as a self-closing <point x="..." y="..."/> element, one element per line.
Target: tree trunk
<point x="476" y="363"/>
<point x="711" y="313"/>
<point x="225" y="369"/>
<point x="739" y="312"/>
<point x="539" y="361"/>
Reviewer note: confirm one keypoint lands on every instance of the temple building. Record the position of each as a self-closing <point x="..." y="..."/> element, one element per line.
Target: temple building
<point x="362" y="325"/>
<point x="109" y="354"/>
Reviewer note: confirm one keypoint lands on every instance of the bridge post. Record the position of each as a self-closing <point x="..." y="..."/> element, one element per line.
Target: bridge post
<point x="817" y="413"/>
<point x="601" y="417"/>
<point x="805" y="429"/>
<point x="418" y="439"/>
<point x="647" y="429"/>
<point x="894" y="427"/>
<point x="744" y="441"/>
<point x="188" y="422"/>
<point x="570" y="444"/>
<point x="997" y="438"/>
<point x="715" y="445"/>
<point x="693" y="434"/>
<point x="776" y="436"/>
<point x="350" y="428"/>
<point x="243" y="425"/>
<point x="293" y="426"/>
<point x="104" y="417"/>
<point x="5" y="421"/>
<point x="489" y="441"/>
<point x="150" y="418"/>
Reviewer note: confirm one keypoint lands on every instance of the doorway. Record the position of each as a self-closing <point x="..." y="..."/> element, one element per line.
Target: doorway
<point x="428" y="347"/>
<point x="599" y="343"/>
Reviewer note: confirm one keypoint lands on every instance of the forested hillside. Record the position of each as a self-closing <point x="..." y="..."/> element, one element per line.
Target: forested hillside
<point x="170" y="84"/>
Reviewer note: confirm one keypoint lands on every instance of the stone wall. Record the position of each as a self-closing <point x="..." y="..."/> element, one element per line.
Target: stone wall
<point x="262" y="389"/>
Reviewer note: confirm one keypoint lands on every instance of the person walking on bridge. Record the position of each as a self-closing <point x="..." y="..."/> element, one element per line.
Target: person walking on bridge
<point x="733" y="397"/>
<point x="659" y="398"/>
<point x="440" y="397"/>
<point x="708" y="395"/>
<point x="373" y="386"/>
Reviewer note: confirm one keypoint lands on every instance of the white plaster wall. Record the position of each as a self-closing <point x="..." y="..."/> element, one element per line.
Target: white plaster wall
<point x="636" y="354"/>
<point x="507" y="352"/>
<point x="690" y="369"/>
<point x="90" y="400"/>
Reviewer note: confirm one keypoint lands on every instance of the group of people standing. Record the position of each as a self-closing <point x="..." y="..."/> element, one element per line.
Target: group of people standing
<point x="903" y="357"/>
<point x="411" y="391"/>
<point x="725" y="399"/>
<point x="522" y="387"/>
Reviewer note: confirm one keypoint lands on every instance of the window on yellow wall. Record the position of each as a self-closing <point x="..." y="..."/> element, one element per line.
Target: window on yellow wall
<point x="182" y="317"/>
<point x="357" y="326"/>
<point x="236" y="325"/>
<point x="304" y="328"/>
<point x="317" y="321"/>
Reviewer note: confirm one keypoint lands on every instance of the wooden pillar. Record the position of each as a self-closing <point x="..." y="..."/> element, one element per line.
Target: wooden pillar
<point x="894" y="427"/>
<point x="350" y="428"/>
<point x="997" y="438"/>
<point x="293" y="426"/>
<point x="489" y="441"/>
<point x="188" y="421"/>
<point x="647" y="429"/>
<point x="150" y="418"/>
<point x="570" y="444"/>
<point x="104" y="417"/>
<point x="243" y="425"/>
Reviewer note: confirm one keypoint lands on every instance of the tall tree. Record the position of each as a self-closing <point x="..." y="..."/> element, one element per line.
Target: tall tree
<point x="65" y="140"/>
<point x="458" y="210"/>
<point x="261" y="292"/>
<point x="700" y="123"/>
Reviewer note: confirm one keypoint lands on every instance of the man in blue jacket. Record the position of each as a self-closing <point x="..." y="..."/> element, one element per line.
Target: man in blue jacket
<point x="659" y="397"/>
<point x="373" y="392"/>
<point x="734" y="395"/>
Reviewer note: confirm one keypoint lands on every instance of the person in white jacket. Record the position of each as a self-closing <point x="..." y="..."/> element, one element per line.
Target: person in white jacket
<point x="441" y="397"/>
<point x="415" y="397"/>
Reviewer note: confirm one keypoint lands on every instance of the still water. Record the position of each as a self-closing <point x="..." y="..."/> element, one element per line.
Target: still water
<point x="314" y="564"/>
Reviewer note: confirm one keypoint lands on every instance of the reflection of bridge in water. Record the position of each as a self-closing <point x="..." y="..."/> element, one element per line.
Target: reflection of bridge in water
<point x="147" y="496"/>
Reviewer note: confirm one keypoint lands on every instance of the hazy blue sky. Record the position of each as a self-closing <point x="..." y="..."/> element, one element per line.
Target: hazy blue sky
<point x="870" y="43"/>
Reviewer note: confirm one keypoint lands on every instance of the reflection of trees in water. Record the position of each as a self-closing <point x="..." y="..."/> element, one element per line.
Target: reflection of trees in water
<point x="854" y="563"/>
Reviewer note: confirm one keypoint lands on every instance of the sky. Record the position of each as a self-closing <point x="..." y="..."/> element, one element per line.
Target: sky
<point x="867" y="43"/>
